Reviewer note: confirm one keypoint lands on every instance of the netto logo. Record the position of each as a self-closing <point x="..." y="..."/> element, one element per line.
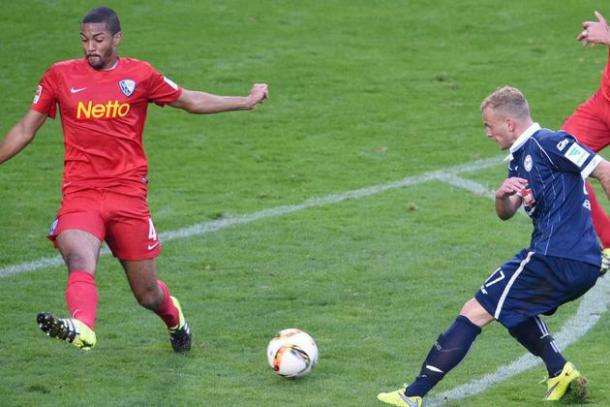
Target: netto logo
<point x="110" y="110"/>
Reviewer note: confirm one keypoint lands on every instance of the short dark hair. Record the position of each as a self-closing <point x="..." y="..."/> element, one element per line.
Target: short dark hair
<point x="103" y="15"/>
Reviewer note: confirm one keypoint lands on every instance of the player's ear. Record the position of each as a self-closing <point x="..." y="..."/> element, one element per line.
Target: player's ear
<point x="510" y="124"/>
<point x="116" y="39"/>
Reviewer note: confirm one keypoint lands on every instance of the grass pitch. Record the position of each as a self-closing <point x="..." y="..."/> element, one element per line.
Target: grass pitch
<point x="362" y="93"/>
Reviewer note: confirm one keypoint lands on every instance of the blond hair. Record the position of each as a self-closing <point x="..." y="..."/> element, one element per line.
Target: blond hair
<point x="508" y="101"/>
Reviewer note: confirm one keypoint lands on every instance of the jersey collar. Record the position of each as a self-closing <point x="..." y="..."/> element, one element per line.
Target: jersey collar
<point x="529" y="132"/>
<point x="112" y="68"/>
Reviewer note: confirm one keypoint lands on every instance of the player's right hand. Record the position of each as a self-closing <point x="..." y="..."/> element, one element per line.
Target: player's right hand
<point x="510" y="187"/>
<point x="595" y="32"/>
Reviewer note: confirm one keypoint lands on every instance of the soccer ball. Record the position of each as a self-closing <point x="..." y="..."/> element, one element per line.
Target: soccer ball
<point x="292" y="353"/>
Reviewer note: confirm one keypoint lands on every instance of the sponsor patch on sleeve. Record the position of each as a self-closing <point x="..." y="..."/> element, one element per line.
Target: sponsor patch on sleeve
<point x="170" y="83"/>
<point x="38" y="94"/>
<point x="577" y="154"/>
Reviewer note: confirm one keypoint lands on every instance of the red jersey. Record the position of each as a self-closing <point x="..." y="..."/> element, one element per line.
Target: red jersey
<point x="103" y="114"/>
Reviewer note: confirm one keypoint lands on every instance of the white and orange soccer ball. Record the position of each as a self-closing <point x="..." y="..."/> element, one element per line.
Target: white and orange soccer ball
<point x="292" y="353"/>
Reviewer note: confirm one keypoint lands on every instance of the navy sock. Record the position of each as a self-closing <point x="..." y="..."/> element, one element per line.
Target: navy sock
<point x="534" y="336"/>
<point x="448" y="351"/>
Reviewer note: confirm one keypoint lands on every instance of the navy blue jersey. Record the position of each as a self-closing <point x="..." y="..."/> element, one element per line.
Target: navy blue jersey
<point x="555" y="166"/>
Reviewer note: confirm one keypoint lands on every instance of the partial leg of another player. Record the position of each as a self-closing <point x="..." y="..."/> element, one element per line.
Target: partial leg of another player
<point x="589" y="124"/>
<point x="154" y="295"/>
<point x="80" y="251"/>
<point x="601" y="222"/>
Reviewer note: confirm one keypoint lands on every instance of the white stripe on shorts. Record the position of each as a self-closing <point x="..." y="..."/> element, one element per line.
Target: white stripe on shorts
<point x="510" y="284"/>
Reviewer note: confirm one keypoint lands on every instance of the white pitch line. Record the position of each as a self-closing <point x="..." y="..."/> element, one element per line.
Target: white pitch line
<point x="472" y="186"/>
<point x="592" y="306"/>
<point x="213" y="226"/>
<point x="469" y="185"/>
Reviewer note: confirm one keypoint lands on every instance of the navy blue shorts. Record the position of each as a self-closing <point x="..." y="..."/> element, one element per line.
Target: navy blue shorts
<point x="531" y="284"/>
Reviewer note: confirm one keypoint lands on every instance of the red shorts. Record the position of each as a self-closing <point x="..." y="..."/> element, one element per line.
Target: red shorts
<point x="590" y="123"/>
<point x="123" y="221"/>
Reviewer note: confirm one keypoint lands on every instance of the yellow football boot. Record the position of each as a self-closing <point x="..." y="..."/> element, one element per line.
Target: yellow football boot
<point x="398" y="398"/>
<point x="67" y="329"/>
<point x="180" y="335"/>
<point x="569" y="379"/>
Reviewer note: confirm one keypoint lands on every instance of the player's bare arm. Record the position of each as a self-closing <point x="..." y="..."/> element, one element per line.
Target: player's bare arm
<point x="602" y="173"/>
<point x="595" y="32"/>
<point x="507" y="199"/>
<point x="21" y="134"/>
<point x="202" y="102"/>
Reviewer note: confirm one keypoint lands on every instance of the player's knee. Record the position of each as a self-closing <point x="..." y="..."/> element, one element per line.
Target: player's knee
<point x="150" y="299"/>
<point x="475" y="313"/>
<point x="78" y="261"/>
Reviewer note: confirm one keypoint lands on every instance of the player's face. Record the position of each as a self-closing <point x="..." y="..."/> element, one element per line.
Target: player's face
<point x="99" y="45"/>
<point x="497" y="127"/>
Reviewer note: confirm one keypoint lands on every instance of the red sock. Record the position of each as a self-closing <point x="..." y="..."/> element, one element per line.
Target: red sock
<point x="167" y="310"/>
<point x="81" y="297"/>
<point x="600" y="219"/>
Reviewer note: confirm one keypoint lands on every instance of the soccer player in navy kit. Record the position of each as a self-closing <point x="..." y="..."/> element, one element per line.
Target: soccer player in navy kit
<point x="546" y="174"/>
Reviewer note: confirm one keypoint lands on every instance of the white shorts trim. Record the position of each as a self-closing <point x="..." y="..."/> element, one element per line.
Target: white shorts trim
<point x="510" y="284"/>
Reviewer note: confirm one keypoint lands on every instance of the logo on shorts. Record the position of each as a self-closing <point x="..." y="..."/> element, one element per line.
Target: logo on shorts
<point x="152" y="246"/>
<point x="53" y="227"/>
<point x="152" y="235"/>
<point x="127" y="86"/>
<point x="527" y="163"/>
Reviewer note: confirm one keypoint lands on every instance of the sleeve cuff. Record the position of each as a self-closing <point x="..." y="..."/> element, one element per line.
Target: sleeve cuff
<point x="591" y="166"/>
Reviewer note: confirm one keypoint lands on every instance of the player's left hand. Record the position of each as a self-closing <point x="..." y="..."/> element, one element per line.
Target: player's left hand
<point x="258" y="94"/>
<point x="511" y="186"/>
<point x="595" y="32"/>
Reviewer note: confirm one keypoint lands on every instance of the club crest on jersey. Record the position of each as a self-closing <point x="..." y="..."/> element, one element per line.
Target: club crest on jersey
<point x="527" y="163"/>
<point x="127" y="86"/>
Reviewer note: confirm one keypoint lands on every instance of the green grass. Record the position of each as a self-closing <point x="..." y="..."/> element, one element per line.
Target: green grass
<point x="362" y="93"/>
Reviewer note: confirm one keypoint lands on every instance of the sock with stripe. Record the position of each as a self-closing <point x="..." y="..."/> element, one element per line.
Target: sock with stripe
<point x="448" y="351"/>
<point x="167" y="311"/>
<point x="81" y="297"/>
<point x="534" y="335"/>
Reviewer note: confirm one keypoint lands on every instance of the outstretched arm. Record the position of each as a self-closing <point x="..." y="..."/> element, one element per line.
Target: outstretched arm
<point x="595" y="32"/>
<point x="21" y="134"/>
<point x="202" y="102"/>
<point x="508" y="200"/>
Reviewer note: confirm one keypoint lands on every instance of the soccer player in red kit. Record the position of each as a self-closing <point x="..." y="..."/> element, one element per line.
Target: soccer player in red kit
<point x="103" y="100"/>
<point x="590" y="124"/>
